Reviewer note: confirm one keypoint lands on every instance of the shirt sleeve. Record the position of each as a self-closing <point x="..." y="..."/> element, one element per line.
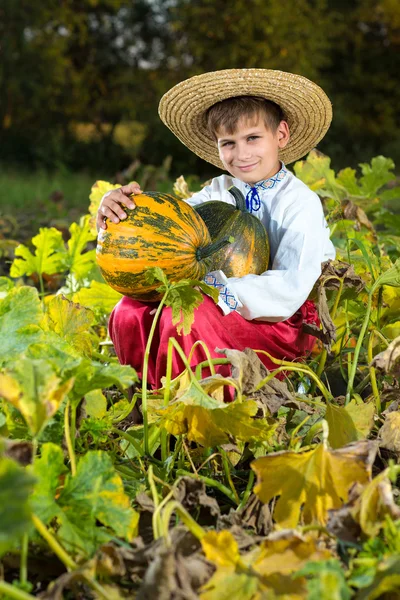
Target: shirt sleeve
<point x="277" y="294"/>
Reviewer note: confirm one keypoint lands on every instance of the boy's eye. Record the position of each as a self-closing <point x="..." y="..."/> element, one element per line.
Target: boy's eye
<point x="252" y="137"/>
<point x="227" y="144"/>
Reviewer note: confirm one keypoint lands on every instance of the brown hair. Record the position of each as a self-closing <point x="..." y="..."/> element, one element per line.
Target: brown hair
<point x="226" y="114"/>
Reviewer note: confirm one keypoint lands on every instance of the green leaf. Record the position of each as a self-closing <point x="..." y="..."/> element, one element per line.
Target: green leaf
<point x="20" y="315"/>
<point x="376" y="175"/>
<point x="347" y="178"/>
<point x="35" y="389"/>
<point x="390" y="277"/>
<point x="48" y="258"/>
<point x="48" y="470"/>
<point x="342" y="430"/>
<point x="94" y="376"/>
<point x="6" y="285"/>
<point x="327" y="580"/>
<point x="210" y="422"/>
<point x="78" y="262"/>
<point x="183" y="298"/>
<point x="71" y="322"/>
<point x="15" y="488"/>
<point x="95" y="404"/>
<point x="100" y="297"/>
<point x="97" y="492"/>
<point x="317" y="174"/>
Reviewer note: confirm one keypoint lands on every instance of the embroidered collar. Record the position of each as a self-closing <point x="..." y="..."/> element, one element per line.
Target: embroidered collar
<point x="253" y="201"/>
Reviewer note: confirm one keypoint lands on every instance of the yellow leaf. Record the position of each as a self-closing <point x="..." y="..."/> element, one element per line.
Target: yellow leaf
<point x="262" y="573"/>
<point x="362" y="414"/>
<point x="313" y="482"/>
<point x="342" y="430"/>
<point x="375" y="502"/>
<point x="349" y="423"/>
<point x="286" y="552"/>
<point x="99" y="188"/>
<point x="221" y="548"/>
<point x="70" y="321"/>
<point x="35" y="390"/>
<point x="210" y="422"/>
<point x="390" y="432"/>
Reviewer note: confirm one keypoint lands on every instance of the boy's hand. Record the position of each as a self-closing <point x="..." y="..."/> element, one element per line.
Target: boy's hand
<point x="110" y="205"/>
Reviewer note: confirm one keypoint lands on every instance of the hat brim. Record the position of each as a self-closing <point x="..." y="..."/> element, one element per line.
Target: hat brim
<point x="306" y="108"/>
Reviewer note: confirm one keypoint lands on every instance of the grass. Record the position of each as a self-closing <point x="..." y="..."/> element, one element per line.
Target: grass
<point x="20" y="191"/>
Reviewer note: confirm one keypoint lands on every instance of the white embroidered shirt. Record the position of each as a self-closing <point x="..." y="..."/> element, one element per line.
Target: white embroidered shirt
<point x="299" y="242"/>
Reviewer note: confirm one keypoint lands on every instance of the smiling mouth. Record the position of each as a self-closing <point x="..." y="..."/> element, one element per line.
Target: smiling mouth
<point x="246" y="167"/>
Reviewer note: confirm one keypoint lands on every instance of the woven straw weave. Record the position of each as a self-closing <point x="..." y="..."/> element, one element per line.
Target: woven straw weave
<point x="305" y="105"/>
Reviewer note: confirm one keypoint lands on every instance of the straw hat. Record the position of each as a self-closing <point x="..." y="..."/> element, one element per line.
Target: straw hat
<point x="305" y="105"/>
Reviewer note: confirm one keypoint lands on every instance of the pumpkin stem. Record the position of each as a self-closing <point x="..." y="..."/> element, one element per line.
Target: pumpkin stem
<point x="206" y="251"/>
<point x="239" y="198"/>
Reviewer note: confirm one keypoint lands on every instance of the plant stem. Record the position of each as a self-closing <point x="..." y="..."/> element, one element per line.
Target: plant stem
<point x="206" y="352"/>
<point x="225" y="463"/>
<point x="291" y="367"/>
<point x="247" y="491"/>
<point x="211" y="482"/>
<point x="23" y="569"/>
<point x="206" y="363"/>
<point x="186" y="518"/>
<point x="145" y="373"/>
<point x="129" y="439"/>
<point x="13" y="592"/>
<point x="372" y="374"/>
<point x="358" y="349"/>
<point x="167" y="394"/>
<point x="68" y="440"/>
<point x="54" y="544"/>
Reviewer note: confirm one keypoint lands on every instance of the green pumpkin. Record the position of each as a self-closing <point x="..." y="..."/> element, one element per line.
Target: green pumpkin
<point x="249" y="252"/>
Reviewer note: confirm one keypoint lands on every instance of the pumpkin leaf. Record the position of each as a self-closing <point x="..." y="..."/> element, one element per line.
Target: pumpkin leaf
<point x="71" y="322"/>
<point x="390" y="277"/>
<point x="312" y="482"/>
<point x="35" y="389"/>
<point x="15" y="514"/>
<point x="91" y="375"/>
<point x="95" y="404"/>
<point x="362" y="414"/>
<point x="99" y="297"/>
<point x="94" y="495"/>
<point x="375" y="503"/>
<point x="390" y="432"/>
<point x="20" y="315"/>
<point x="210" y="422"/>
<point x="376" y="175"/>
<point x="99" y="188"/>
<point x="78" y="262"/>
<point x="49" y="470"/>
<point x="326" y="580"/>
<point x="266" y="568"/>
<point x="182" y="297"/>
<point x="97" y="492"/>
<point x="49" y="255"/>
<point x="342" y="429"/>
<point x="389" y="359"/>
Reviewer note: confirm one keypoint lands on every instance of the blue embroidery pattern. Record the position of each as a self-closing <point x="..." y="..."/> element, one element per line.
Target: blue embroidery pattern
<point x="253" y="201"/>
<point x="224" y="291"/>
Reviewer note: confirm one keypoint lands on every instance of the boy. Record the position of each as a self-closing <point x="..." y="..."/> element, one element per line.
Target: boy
<point x="249" y="122"/>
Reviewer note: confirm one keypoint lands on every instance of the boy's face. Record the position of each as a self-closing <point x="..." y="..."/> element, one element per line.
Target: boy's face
<point x="251" y="153"/>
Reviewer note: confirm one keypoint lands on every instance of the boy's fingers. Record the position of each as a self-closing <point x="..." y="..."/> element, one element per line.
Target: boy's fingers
<point x="112" y="209"/>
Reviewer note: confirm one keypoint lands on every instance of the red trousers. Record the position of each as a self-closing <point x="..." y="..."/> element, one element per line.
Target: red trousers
<point x="130" y="324"/>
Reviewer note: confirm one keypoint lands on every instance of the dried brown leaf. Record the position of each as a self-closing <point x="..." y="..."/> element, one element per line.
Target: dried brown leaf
<point x="390" y="432"/>
<point x="191" y="493"/>
<point x="389" y="360"/>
